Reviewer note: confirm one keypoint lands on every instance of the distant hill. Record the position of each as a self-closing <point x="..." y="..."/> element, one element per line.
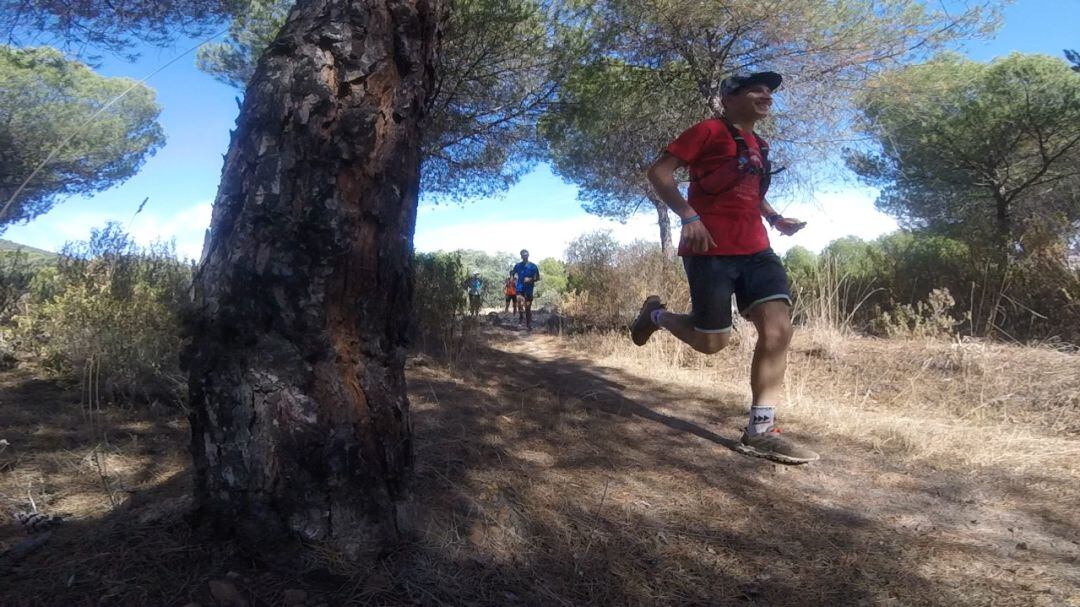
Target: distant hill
<point x="34" y="255"/>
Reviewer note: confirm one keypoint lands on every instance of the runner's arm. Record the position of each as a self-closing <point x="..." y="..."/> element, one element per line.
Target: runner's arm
<point x="662" y="177"/>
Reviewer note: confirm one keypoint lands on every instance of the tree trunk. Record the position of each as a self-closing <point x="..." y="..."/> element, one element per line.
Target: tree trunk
<point x="300" y="421"/>
<point x="1003" y="224"/>
<point x="663" y="221"/>
<point x="1000" y="274"/>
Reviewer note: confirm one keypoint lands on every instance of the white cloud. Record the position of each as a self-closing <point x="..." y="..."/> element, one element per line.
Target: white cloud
<point x="829" y="215"/>
<point x="834" y="214"/>
<point x="186" y="226"/>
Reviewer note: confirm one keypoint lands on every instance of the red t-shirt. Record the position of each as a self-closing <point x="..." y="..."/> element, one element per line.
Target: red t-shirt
<point x="727" y="199"/>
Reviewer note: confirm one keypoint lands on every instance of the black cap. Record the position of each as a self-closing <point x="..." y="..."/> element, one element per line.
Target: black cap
<point x="736" y="82"/>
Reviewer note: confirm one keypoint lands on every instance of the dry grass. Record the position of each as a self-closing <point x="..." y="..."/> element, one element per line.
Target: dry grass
<point x="952" y="403"/>
<point x="606" y="479"/>
<point x="579" y="471"/>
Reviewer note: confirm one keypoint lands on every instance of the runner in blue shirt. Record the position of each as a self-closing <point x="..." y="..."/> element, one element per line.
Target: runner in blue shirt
<point x="475" y="286"/>
<point x="527" y="276"/>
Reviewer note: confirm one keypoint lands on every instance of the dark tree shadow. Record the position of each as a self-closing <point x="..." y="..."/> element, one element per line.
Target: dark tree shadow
<point x="548" y="480"/>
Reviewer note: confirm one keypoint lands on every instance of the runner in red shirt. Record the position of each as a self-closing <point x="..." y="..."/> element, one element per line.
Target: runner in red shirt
<point x="725" y="249"/>
<point x="510" y="289"/>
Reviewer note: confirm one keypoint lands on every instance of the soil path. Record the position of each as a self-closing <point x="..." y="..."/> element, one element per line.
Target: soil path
<point x="545" y="476"/>
<point x="594" y="484"/>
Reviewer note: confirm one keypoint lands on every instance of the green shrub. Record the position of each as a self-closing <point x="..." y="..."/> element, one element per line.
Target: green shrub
<point x="607" y="282"/>
<point x="493" y="271"/>
<point x="16" y="273"/>
<point x="932" y="317"/>
<point x="439" y="302"/>
<point x="113" y="309"/>
<point x="552" y="286"/>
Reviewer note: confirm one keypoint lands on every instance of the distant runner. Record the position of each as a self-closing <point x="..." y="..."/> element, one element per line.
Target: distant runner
<point x="725" y="249"/>
<point x="527" y="276"/>
<point x="510" y="289"/>
<point x="475" y="286"/>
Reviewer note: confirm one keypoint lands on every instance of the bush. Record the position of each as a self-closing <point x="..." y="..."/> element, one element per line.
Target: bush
<point x="607" y="282"/>
<point x="852" y="282"/>
<point x="887" y="286"/>
<point x="493" y="271"/>
<point x="553" y="284"/>
<point x="439" y="302"/>
<point x="111" y="309"/>
<point x="15" y="276"/>
<point x="930" y="318"/>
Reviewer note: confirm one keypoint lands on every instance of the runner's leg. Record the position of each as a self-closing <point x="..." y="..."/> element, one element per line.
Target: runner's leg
<point x="682" y="327"/>
<point x="708" y="328"/>
<point x="772" y="319"/>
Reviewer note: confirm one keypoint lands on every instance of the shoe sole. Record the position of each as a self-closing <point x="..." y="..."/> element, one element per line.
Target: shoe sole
<point x="649" y="330"/>
<point x="779" y="458"/>
<point x="644" y="340"/>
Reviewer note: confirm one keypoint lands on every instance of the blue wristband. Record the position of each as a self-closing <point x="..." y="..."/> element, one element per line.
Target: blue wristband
<point x="690" y="220"/>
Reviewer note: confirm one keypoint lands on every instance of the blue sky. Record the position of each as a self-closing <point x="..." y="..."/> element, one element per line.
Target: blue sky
<point x="541" y="213"/>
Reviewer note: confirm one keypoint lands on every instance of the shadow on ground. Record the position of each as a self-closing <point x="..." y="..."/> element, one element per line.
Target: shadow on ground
<point x="544" y="479"/>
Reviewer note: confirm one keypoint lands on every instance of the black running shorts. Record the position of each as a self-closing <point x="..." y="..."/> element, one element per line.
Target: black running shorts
<point x="752" y="279"/>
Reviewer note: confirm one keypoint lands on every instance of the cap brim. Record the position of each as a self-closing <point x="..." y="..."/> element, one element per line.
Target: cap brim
<point x="769" y="79"/>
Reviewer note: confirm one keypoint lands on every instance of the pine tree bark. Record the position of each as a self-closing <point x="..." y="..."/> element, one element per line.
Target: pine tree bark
<point x="300" y="421"/>
<point x="663" y="221"/>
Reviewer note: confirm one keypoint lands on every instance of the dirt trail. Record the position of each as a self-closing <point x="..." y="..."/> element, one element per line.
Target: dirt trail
<point x="624" y="490"/>
<point x="547" y="477"/>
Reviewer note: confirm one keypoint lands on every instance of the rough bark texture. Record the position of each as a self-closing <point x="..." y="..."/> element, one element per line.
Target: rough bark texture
<point x="300" y="420"/>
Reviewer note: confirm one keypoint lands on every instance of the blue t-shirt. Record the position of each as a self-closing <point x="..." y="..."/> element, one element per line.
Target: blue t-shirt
<point x="476" y="286"/>
<point x="526" y="269"/>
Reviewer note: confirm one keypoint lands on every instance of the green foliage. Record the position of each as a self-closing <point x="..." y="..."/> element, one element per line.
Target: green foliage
<point x="18" y="266"/>
<point x="550" y="291"/>
<point x="492" y="82"/>
<point x="34" y="256"/>
<point x="439" y="301"/>
<point x="493" y="271"/>
<point x="985" y="153"/>
<point x="611" y="123"/>
<point x="644" y="70"/>
<point x="801" y="264"/>
<point x="112" y="307"/>
<point x="887" y="286"/>
<point x="250" y="32"/>
<point x="853" y="282"/>
<point x="44" y="100"/>
<point x="15" y="276"/>
<point x="109" y="24"/>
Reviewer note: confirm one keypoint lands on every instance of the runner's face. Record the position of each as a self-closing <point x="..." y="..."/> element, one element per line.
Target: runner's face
<point x="755" y="101"/>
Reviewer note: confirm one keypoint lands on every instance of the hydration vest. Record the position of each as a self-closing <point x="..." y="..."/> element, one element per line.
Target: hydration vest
<point x="742" y="158"/>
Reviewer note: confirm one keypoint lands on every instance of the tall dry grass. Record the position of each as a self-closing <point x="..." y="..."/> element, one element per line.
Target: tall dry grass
<point x="926" y="394"/>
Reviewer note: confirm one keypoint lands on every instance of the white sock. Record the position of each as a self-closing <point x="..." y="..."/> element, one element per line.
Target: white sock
<point x="761" y="419"/>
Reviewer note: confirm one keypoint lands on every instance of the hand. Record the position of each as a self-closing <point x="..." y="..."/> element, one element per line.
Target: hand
<point x="697" y="237"/>
<point x="788" y="226"/>
<point x="528" y="280"/>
